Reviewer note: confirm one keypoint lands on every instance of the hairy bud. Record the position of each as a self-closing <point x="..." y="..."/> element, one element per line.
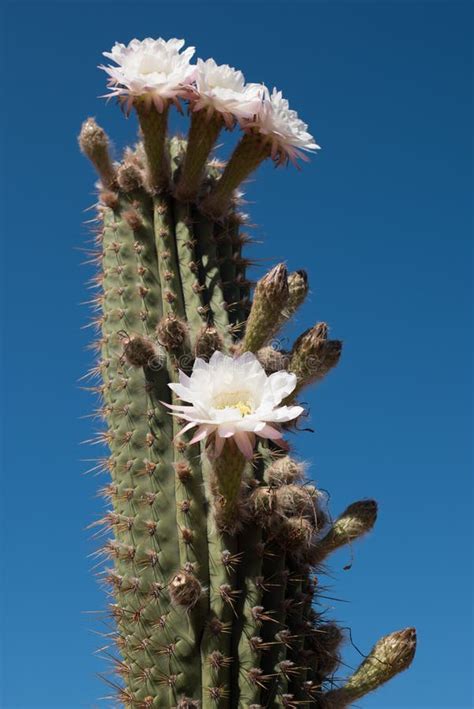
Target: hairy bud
<point x="354" y="522"/>
<point x="313" y="355"/>
<point x="273" y="360"/>
<point x="207" y="342"/>
<point x="185" y="590"/>
<point x="140" y="352"/>
<point x="391" y="655"/>
<point x="94" y="143"/>
<point x="270" y="298"/>
<point x="284" y="471"/>
<point x="297" y="291"/>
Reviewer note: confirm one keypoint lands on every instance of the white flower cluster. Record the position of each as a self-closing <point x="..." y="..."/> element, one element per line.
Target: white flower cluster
<point x="158" y="71"/>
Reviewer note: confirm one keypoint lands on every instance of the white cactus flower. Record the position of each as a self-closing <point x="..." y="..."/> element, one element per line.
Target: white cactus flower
<point x="154" y="69"/>
<point x="288" y="134"/>
<point x="234" y="398"/>
<point x="221" y="88"/>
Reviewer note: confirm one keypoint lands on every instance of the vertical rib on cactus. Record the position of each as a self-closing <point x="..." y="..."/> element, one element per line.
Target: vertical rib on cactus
<point x="212" y="543"/>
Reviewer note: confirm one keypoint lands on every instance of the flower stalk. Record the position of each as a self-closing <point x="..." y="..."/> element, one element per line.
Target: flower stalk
<point x="203" y="132"/>
<point x="153" y="124"/>
<point x="251" y="151"/>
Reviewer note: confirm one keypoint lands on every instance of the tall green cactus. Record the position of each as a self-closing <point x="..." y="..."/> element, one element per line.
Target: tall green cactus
<point x="210" y="559"/>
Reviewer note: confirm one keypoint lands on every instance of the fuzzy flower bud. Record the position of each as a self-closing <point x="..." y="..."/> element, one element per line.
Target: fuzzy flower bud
<point x="353" y="523"/>
<point x="270" y="297"/>
<point x="313" y="355"/>
<point x="298" y="290"/>
<point x="392" y="654"/>
<point x="94" y="143"/>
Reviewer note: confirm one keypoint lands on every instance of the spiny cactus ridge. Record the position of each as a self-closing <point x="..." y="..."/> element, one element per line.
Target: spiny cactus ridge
<point x="209" y="561"/>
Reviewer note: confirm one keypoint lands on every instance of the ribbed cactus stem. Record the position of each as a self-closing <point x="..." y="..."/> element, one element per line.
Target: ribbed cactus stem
<point x="203" y="133"/>
<point x="270" y="297"/>
<point x="391" y="655"/>
<point x="94" y="143"/>
<point x="358" y="519"/>
<point x="217" y="307"/>
<point x="251" y="151"/>
<point x="153" y="124"/>
<point x="210" y="546"/>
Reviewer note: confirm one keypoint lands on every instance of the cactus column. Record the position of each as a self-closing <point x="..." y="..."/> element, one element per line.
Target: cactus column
<point x="211" y="553"/>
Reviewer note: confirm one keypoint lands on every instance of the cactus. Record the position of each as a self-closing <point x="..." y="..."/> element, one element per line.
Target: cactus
<point x="211" y="556"/>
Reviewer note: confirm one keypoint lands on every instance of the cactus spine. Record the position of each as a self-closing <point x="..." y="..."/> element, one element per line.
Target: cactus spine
<point x="210" y="561"/>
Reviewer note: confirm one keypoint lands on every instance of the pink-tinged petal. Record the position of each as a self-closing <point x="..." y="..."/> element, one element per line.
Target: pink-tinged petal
<point x="269" y="432"/>
<point x="226" y="430"/>
<point x="218" y="444"/>
<point x="187" y="428"/>
<point x="281" y="443"/>
<point x="244" y="444"/>
<point x="201" y="433"/>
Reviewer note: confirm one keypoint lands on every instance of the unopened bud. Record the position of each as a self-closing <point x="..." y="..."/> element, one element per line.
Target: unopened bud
<point x="140" y="352"/>
<point x="313" y="356"/>
<point x="270" y="298"/>
<point x="207" y="342"/>
<point x="94" y="143"/>
<point x="392" y="654"/>
<point x="185" y="590"/>
<point x="353" y="523"/>
<point x="298" y="290"/>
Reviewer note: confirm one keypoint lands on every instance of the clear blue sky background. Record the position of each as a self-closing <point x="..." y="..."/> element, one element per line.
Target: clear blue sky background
<point x="381" y="220"/>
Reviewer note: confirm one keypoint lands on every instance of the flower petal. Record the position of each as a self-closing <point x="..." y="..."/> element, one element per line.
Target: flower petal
<point x="244" y="442"/>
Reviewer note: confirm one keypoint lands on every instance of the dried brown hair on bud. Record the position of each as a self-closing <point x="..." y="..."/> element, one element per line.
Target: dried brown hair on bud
<point x="298" y="501"/>
<point x="295" y="534"/>
<point x="313" y="356"/>
<point x="185" y="590"/>
<point x="261" y="506"/>
<point x="139" y="352"/>
<point x="353" y="523"/>
<point x="172" y="334"/>
<point x="273" y="360"/>
<point x="207" y="342"/>
<point x="129" y="176"/>
<point x="270" y="298"/>
<point x="94" y="143"/>
<point x="284" y="471"/>
<point x="298" y="290"/>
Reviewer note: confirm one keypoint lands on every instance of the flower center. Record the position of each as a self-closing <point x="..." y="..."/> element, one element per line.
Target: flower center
<point x="234" y="400"/>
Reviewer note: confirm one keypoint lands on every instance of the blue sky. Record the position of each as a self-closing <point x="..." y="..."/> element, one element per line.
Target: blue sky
<point x="381" y="221"/>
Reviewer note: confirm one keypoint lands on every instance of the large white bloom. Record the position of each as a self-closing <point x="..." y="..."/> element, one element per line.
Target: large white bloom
<point x="154" y="68"/>
<point x="220" y="87"/>
<point x="288" y="134"/>
<point x="233" y="397"/>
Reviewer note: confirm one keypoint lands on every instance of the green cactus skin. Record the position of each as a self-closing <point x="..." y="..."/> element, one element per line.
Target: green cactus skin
<point x="212" y="601"/>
